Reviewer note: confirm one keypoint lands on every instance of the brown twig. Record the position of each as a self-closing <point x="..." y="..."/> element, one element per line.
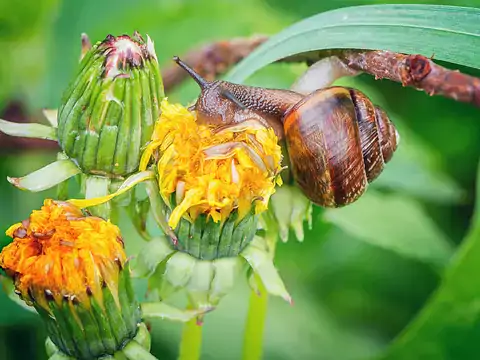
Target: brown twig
<point x="211" y="60"/>
<point x="416" y="71"/>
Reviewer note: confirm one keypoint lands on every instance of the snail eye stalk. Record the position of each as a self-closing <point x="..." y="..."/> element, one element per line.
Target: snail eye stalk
<point x="196" y="76"/>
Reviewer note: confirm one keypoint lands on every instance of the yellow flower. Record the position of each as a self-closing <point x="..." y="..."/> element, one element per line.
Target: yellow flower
<point x="212" y="170"/>
<point x="58" y="254"/>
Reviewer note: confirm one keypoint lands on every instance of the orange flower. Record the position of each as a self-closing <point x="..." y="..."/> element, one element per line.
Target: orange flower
<point x="58" y="253"/>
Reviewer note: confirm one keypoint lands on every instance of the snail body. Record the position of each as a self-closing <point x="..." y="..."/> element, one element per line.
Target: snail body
<point x="337" y="140"/>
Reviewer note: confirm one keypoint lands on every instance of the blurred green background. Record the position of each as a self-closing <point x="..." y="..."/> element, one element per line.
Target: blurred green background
<point x="363" y="272"/>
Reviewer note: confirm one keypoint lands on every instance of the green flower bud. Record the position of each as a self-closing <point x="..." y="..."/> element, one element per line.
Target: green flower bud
<point x="108" y="111"/>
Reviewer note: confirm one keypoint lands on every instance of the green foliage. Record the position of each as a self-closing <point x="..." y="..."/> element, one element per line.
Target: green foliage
<point x="403" y="28"/>
<point x="447" y="327"/>
<point x="385" y="269"/>
<point x="395" y="223"/>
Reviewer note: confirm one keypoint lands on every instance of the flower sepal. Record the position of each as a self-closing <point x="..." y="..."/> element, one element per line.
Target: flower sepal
<point x="47" y="177"/>
<point x="169" y="271"/>
<point x="162" y="310"/>
<point x="9" y="289"/>
<point x="50" y="175"/>
<point x="99" y="325"/>
<point x="204" y="282"/>
<point x="291" y="209"/>
<point x="260" y="259"/>
<point x="206" y="239"/>
<point x="30" y="130"/>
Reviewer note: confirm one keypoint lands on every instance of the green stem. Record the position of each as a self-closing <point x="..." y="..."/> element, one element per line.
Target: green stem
<point x="191" y="345"/>
<point x="62" y="190"/>
<point x="257" y="311"/>
<point x="97" y="186"/>
<point x="254" y="329"/>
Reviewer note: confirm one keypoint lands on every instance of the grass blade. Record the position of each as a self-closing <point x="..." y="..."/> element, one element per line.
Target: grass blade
<point x="450" y="33"/>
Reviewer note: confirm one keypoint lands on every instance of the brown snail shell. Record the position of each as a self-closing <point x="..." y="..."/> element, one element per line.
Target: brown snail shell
<point x="338" y="142"/>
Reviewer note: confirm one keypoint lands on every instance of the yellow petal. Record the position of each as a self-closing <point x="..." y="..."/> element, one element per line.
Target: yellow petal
<point x="192" y="197"/>
<point x="147" y="154"/>
<point x="279" y="180"/>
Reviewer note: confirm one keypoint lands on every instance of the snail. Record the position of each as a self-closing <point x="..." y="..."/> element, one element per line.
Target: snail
<point x="336" y="139"/>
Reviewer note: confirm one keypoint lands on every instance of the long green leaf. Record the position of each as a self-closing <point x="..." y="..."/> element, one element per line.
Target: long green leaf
<point x="447" y="327"/>
<point x="450" y="33"/>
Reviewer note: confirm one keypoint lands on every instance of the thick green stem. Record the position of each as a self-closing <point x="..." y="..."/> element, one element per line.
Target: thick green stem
<point x="191" y="345"/>
<point x="62" y="190"/>
<point x="256" y="317"/>
<point x="97" y="186"/>
<point x="257" y="311"/>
